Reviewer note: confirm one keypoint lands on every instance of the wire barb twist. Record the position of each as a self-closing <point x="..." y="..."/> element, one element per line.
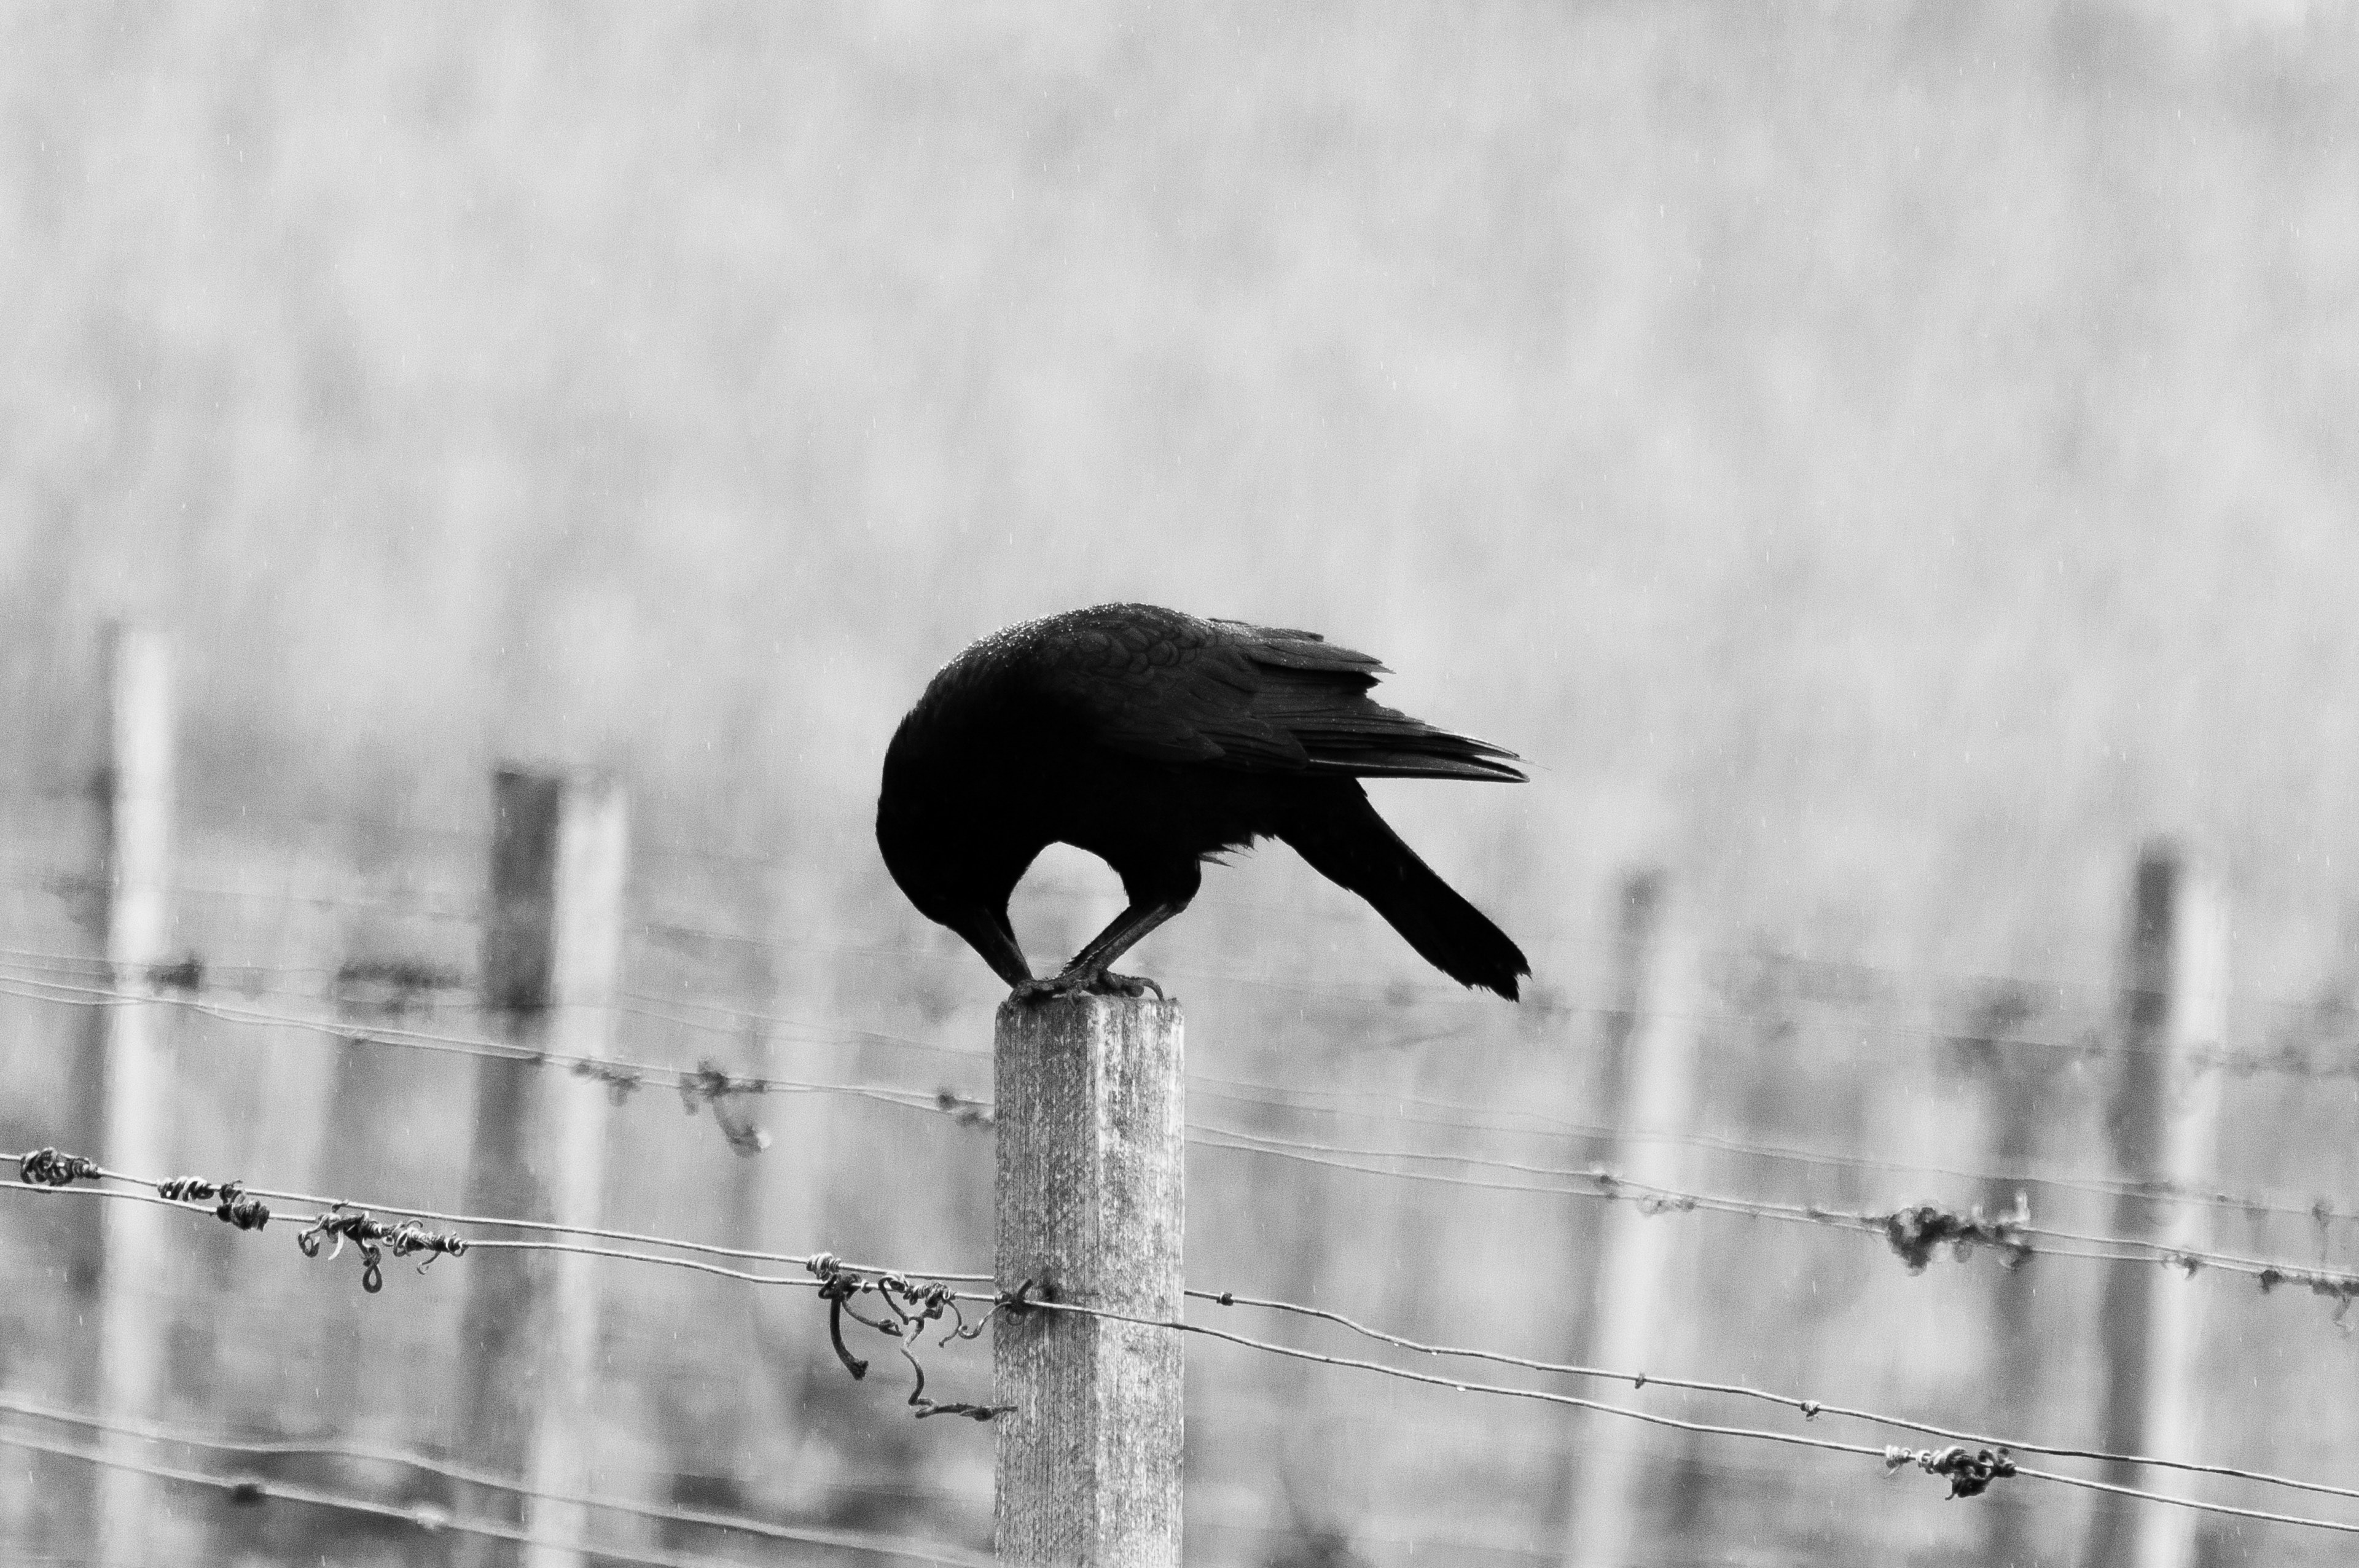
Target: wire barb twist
<point x="237" y="1206"/>
<point x="1970" y="1470"/>
<point x="1915" y="1232"/>
<point x="913" y="1305"/>
<point x="46" y="1167"/>
<point x="621" y="1081"/>
<point x="967" y="1112"/>
<point x="711" y="1085"/>
<point x="374" y="1238"/>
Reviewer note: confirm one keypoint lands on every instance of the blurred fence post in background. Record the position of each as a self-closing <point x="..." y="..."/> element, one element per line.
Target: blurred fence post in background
<point x="1089" y="1205"/>
<point x="1649" y="1043"/>
<point x="2166" y="1138"/>
<point x="2013" y="1090"/>
<point x="551" y="947"/>
<point x="135" y="1073"/>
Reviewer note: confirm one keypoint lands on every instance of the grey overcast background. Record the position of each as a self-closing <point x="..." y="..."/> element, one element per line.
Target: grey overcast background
<point x="1883" y="463"/>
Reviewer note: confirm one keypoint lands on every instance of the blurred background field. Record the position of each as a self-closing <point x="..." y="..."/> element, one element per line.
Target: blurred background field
<point x="1879" y="464"/>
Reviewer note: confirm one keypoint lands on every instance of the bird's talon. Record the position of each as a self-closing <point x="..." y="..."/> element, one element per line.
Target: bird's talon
<point x="1103" y="983"/>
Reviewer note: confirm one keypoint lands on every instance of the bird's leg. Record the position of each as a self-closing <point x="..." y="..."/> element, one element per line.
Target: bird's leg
<point x="1088" y="972"/>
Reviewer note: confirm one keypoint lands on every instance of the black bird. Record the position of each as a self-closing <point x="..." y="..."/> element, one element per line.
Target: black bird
<point x="1156" y="741"/>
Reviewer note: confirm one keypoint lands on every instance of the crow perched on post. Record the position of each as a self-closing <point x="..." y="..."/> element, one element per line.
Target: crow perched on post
<point x="1155" y="740"/>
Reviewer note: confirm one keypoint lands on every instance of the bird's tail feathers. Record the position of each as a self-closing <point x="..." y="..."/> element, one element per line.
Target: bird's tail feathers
<point x="1403" y="764"/>
<point x="1346" y="841"/>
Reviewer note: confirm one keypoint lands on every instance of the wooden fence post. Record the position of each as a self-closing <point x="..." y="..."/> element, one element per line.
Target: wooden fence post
<point x="134" y="1079"/>
<point x="551" y="951"/>
<point x="1089" y="1198"/>
<point x="2165" y="1136"/>
<point x="1649" y="1070"/>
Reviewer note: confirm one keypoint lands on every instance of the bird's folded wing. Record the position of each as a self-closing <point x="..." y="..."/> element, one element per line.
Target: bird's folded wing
<point x="1258" y="698"/>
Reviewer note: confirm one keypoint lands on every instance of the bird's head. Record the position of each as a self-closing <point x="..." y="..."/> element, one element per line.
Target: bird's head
<point x="923" y="861"/>
<point x="955" y="862"/>
<point x="914" y="833"/>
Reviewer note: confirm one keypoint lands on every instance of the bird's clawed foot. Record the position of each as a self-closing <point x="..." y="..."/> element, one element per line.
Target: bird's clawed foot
<point x="1086" y="982"/>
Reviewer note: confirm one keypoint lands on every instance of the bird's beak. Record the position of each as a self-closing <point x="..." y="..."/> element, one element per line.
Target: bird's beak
<point x="990" y="934"/>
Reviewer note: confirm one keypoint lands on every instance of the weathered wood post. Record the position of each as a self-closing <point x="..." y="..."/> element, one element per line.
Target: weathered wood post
<point x="1649" y="1070"/>
<point x="134" y="1077"/>
<point x="1090" y="1200"/>
<point x="2166" y="1137"/>
<point x="551" y="951"/>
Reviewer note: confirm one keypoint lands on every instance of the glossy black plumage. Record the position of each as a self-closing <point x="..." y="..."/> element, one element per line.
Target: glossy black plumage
<point x="1153" y="739"/>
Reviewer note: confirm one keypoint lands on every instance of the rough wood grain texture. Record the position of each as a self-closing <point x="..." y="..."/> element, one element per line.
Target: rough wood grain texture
<point x="1090" y="1200"/>
<point x="2166" y="1130"/>
<point x="1649" y="1074"/>
<point x="135" y="1073"/>
<point x="558" y="853"/>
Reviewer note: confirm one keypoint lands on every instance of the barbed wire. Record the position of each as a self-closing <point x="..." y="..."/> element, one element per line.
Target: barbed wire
<point x="1910" y="1230"/>
<point x="910" y="1304"/>
<point x="808" y="1535"/>
<point x="387" y="987"/>
<point x="465" y="903"/>
<point x="187" y="975"/>
<point x="1969" y="1472"/>
<point x="917" y="1301"/>
<point x="1580" y="934"/>
<point x="1510" y="1120"/>
<point x="1913" y="1231"/>
<point x="2088" y="1042"/>
<point x="52" y="1170"/>
<point x="622" y="1076"/>
<point x="709" y="1085"/>
<point x="59" y="881"/>
<point x="432" y="1519"/>
<point x="478" y="843"/>
<point x="1811" y="1410"/>
<point x="737" y="1020"/>
<point x="1494" y="1120"/>
<point x="2317" y="1211"/>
